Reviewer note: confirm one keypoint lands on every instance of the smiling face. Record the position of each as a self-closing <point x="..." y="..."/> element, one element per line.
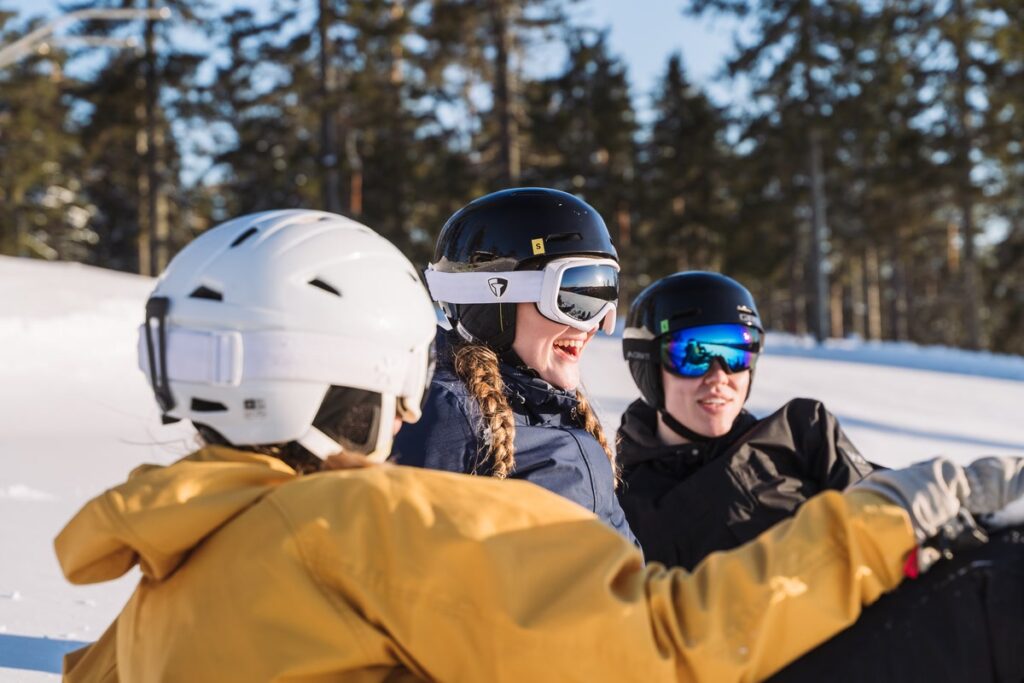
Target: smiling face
<point x="551" y="349"/>
<point x="707" y="405"/>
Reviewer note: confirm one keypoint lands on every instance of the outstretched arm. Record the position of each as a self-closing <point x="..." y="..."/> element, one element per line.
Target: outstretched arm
<point x="475" y="579"/>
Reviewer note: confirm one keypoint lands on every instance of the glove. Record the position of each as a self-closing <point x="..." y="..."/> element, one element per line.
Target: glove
<point x="994" y="484"/>
<point x="1010" y="516"/>
<point x="942" y="497"/>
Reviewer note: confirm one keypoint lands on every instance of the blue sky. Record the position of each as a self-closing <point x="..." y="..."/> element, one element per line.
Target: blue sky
<point x="645" y="32"/>
<point x="642" y="32"/>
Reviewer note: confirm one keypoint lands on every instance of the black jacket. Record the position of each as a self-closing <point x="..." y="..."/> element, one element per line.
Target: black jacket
<point x="686" y="501"/>
<point x="551" y="450"/>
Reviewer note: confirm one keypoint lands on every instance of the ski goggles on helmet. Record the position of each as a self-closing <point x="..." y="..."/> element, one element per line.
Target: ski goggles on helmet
<point x="577" y="291"/>
<point x="690" y="352"/>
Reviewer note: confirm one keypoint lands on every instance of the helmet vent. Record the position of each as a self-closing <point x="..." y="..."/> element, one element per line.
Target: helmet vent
<point x="203" y="406"/>
<point x="204" y="292"/>
<point x="243" y="237"/>
<point x="564" y="237"/>
<point x="317" y="282"/>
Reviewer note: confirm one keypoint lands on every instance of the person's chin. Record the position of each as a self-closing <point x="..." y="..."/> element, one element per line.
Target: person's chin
<point x="719" y="429"/>
<point x="562" y="379"/>
<point x="707" y="429"/>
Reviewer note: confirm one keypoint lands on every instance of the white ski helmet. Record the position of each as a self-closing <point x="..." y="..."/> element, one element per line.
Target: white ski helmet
<point x="278" y="326"/>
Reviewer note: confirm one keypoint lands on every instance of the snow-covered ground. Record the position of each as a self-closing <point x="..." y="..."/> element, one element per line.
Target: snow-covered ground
<point x="76" y="416"/>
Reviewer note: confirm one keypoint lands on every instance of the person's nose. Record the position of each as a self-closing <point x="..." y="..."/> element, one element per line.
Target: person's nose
<point x="716" y="374"/>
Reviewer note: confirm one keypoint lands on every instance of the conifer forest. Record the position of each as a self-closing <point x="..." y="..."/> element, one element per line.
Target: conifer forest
<point x="865" y="178"/>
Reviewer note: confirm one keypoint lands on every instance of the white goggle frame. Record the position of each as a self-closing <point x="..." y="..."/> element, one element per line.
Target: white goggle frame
<point x="521" y="286"/>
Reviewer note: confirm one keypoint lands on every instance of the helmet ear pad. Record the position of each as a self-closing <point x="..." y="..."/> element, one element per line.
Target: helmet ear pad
<point x="491" y="324"/>
<point x="647" y="376"/>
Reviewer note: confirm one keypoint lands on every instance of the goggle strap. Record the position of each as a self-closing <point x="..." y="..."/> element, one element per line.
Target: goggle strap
<point x="520" y="286"/>
<point x="645" y="350"/>
<point x="608" y="323"/>
<point x="227" y="357"/>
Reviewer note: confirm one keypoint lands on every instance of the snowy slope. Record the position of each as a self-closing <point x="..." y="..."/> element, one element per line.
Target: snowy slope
<point x="76" y="416"/>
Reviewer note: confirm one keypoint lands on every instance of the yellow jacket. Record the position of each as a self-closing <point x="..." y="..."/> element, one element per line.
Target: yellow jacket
<point x="251" y="573"/>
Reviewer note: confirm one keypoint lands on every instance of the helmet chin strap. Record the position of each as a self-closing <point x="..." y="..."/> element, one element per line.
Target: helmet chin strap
<point x="693" y="437"/>
<point x="681" y="429"/>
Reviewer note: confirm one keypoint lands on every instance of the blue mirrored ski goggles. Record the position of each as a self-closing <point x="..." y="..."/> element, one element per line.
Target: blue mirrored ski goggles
<point x="690" y="353"/>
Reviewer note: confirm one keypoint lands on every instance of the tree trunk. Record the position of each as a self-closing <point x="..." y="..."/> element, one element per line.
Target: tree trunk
<point x="858" y="296"/>
<point x="965" y="189"/>
<point x="396" y="80"/>
<point x="504" y="93"/>
<point x="355" y="165"/>
<point x="150" y="248"/>
<point x="143" y="241"/>
<point x="873" y="277"/>
<point x="819" y="240"/>
<point x="330" y="186"/>
<point x="798" y="284"/>
<point x="20" y="229"/>
<point x="836" y="309"/>
<point x="625" y="226"/>
<point x="900" y="327"/>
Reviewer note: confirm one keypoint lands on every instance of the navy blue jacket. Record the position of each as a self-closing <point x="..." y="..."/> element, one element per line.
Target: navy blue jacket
<point x="550" y="450"/>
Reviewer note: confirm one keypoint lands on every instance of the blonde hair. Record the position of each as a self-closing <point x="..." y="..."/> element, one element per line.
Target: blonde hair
<point x="477" y="365"/>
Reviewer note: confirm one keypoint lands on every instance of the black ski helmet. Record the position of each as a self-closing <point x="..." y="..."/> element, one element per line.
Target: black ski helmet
<point x="679" y="302"/>
<point x="515" y="229"/>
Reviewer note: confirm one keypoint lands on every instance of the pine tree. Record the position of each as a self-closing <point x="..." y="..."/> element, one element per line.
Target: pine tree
<point x="794" y="68"/>
<point x="581" y="135"/>
<point x="959" y="87"/>
<point x="46" y="213"/>
<point x="687" y="208"/>
<point x="484" y="42"/>
<point x="1004" y="133"/>
<point x="268" y="148"/>
<point x="132" y="154"/>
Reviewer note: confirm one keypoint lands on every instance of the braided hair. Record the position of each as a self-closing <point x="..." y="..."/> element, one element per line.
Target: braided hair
<point x="478" y="366"/>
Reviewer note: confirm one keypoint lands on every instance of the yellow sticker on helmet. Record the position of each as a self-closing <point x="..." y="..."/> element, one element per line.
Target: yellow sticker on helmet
<point x="538" y="246"/>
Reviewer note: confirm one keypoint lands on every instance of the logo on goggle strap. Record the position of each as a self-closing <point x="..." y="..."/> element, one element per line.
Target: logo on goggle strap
<point x="498" y="286"/>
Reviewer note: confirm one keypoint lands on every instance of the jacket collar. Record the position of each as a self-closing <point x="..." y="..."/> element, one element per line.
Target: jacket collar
<point x="639" y="442"/>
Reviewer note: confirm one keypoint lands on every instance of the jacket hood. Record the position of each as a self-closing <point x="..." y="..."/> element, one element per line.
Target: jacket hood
<point x="156" y="517"/>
